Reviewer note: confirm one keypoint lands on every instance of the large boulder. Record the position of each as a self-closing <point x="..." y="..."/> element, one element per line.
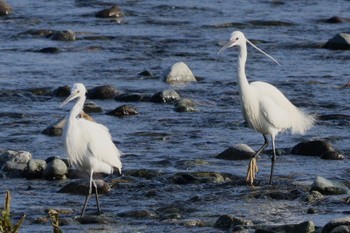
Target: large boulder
<point x="178" y="73"/>
<point x="340" y="41"/>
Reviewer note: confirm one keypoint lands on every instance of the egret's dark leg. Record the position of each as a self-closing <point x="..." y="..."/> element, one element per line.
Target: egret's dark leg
<point x="273" y="159"/>
<point x="97" y="202"/>
<point x="88" y="196"/>
<point x="253" y="167"/>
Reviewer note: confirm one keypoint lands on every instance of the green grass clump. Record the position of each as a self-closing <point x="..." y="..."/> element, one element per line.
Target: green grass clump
<point x="6" y="225"/>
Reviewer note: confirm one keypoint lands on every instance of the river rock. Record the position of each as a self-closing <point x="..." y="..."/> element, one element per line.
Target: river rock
<point x="20" y="157"/>
<point x="38" y="32"/>
<point x="55" y="129"/>
<point x="63" y="91"/>
<point x="138" y="214"/>
<point x="331" y="225"/>
<point x="131" y="97"/>
<point x="5" y="9"/>
<point x="340" y="41"/>
<point x="90" y="107"/>
<point x="123" y="110"/>
<point x="337" y="19"/>
<point x="92" y="220"/>
<point x="312" y="148"/>
<point x="228" y="221"/>
<point x="178" y="73"/>
<point x="67" y="35"/>
<point x="165" y="96"/>
<point x="332" y="155"/>
<point x="35" y="168"/>
<point x="185" y="105"/>
<point x="313" y="197"/>
<point x="113" y="12"/>
<point x="341" y="229"/>
<point x="81" y="187"/>
<point x="237" y="152"/>
<point x="146" y="73"/>
<point x="55" y="170"/>
<point x="304" y="227"/>
<point x="103" y="92"/>
<point x="49" y="50"/>
<point x="14" y="169"/>
<point x="328" y="187"/>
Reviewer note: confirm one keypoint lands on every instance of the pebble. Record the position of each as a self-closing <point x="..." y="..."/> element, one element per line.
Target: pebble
<point x="123" y="110"/>
<point x="165" y="96"/>
<point x="340" y="41"/>
<point x="55" y="169"/>
<point x="113" y="12"/>
<point x="81" y="187"/>
<point x="5" y="8"/>
<point x="103" y="92"/>
<point x="333" y="224"/>
<point x="185" y="105"/>
<point x="328" y="187"/>
<point x="35" y="168"/>
<point x="178" y="73"/>
<point x="237" y="152"/>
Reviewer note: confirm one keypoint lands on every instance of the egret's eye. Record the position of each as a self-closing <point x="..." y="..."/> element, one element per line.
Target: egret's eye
<point x="78" y="91"/>
<point x="237" y="38"/>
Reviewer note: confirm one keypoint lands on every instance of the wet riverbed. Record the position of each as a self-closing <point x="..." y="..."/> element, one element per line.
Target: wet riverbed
<point x="152" y="36"/>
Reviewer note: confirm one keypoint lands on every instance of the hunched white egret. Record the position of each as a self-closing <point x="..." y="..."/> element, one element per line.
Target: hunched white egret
<point x="264" y="107"/>
<point x="88" y="144"/>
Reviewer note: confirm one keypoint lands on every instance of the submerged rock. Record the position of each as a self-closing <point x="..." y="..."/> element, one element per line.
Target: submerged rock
<point x="138" y="214"/>
<point x="35" y="168"/>
<point x="103" y="92"/>
<point x="55" y="129"/>
<point x="227" y="221"/>
<point x="123" y="110"/>
<point x="331" y="226"/>
<point x="5" y="8"/>
<point x="237" y="152"/>
<point x="178" y="73"/>
<point x="113" y="12"/>
<point x="304" y="227"/>
<point x="165" y="96"/>
<point x="63" y="91"/>
<point x="81" y="187"/>
<point x="328" y="187"/>
<point x="185" y="105"/>
<point x="90" y="107"/>
<point x="55" y="169"/>
<point x="92" y="220"/>
<point x="340" y="41"/>
<point x="337" y="19"/>
<point x="320" y="148"/>
<point x="52" y="50"/>
<point x="131" y="97"/>
<point x="67" y="35"/>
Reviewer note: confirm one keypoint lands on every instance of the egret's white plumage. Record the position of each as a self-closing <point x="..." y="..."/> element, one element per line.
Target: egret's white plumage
<point x="264" y="107"/>
<point x="88" y="144"/>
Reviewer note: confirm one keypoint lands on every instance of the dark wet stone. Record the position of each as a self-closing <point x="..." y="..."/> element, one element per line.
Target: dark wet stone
<point x="340" y="41"/>
<point x="337" y="19"/>
<point x="35" y="168"/>
<point x="138" y="214"/>
<point x="40" y="91"/>
<point x="328" y="228"/>
<point x="284" y="195"/>
<point x="227" y="221"/>
<point x="312" y="148"/>
<point x="328" y="187"/>
<point x="314" y="197"/>
<point x="178" y="73"/>
<point x="91" y="107"/>
<point x="113" y="12"/>
<point x="131" y="97"/>
<point x="38" y="32"/>
<point x="184" y="178"/>
<point x="304" y="227"/>
<point x="55" y="170"/>
<point x="165" y="96"/>
<point x="92" y="220"/>
<point x="172" y="211"/>
<point x="332" y="155"/>
<point x="237" y="152"/>
<point x="270" y="23"/>
<point x="185" y="105"/>
<point x="14" y="169"/>
<point x="5" y="8"/>
<point x="67" y="35"/>
<point x="341" y="229"/>
<point x="146" y="73"/>
<point x="334" y="117"/>
<point x="81" y="187"/>
<point x="103" y="92"/>
<point x="56" y="129"/>
<point x="143" y="173"/>
<point x="52" y="50"/>
<point x="123" y="110"/>
<point x="63" y="91"/>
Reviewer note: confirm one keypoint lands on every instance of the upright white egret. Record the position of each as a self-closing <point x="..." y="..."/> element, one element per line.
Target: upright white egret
<point x="264" y="107"/>
<point x="88" y="144"/>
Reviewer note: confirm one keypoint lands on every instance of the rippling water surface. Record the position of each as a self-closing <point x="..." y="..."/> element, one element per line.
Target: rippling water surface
<point x="152" y="36"/>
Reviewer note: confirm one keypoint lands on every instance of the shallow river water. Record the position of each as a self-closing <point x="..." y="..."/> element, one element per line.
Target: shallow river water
<point x="152" y="36"/>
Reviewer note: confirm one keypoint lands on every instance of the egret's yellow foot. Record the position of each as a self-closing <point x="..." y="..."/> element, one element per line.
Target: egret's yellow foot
<point x="252" y="170"/>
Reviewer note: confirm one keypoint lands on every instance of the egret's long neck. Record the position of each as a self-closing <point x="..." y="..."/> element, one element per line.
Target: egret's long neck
<point x="242" y="59"/>
<point x="77" y="108"/>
